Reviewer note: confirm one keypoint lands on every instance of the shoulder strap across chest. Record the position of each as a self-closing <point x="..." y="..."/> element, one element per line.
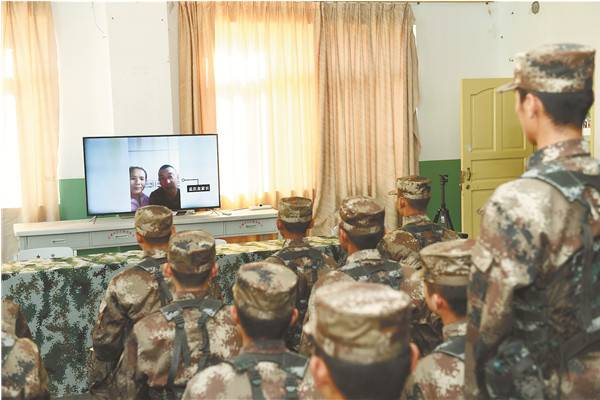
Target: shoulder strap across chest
<point x="152" y="266"/>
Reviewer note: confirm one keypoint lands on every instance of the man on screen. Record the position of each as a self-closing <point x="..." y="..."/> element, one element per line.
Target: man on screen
<point x="168" y="193"/>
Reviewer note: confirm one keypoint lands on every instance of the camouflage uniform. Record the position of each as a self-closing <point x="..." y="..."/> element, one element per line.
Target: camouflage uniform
<point x="360" y="323"/>
<point x="298" y="255"/>
<point x="13" y="320"/>
<point x="440" y="375"/>
<point x="421" y="231"/>
<point x="533" y="325"/>
<point x="23" y="374"/>
<point x="265" y="369"/>
<point x="131" y="295"/>
<point x="361" y="215"/>
<point x="166" y="348"/>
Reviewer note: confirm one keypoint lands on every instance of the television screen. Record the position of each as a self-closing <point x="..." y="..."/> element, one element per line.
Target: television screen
<point x="123" y="173"/>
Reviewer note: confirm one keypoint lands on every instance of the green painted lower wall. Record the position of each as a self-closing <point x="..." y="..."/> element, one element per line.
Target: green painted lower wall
<point x="433" y="170"/>
<point x="72" y="191"/>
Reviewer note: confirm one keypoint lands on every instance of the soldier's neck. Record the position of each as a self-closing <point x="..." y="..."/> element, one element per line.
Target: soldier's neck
<point x="448" y="317"/>
<point x="293" y="236"/>
<point x="151" y="249"/>
<point x="551" y="134"/>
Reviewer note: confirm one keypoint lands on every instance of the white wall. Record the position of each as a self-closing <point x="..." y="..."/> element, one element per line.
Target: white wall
<point x="114" y="73"/>
<point x="456" y="41"/>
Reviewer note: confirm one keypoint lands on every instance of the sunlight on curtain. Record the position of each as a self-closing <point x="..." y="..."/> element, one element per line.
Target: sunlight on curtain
<point x="266" y="89"/>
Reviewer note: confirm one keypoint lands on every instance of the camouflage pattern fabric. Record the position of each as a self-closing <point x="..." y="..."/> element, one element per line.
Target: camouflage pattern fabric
<point x="13" y="320"/>
<point x="426" y="329"/>
<point x="60" y="299"/>
<point x="295" y="209"/>
<point x="419" y="228"/>
<point x="438" y="375"/>
<point x="529" y="232"/>
<point x="554" y="68"/>
<point x="144" y="368"/>
<point x="222" y="381"/>
<point x="153" y="222"/>
<point x="413" y="187"/>
<point x="131" y="295"/>
<point x="23" y="373"/>
<point x="294" y="255"/>
<point x="191" y="252"/>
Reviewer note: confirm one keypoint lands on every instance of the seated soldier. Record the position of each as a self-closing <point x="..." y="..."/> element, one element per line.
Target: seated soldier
<point x="293" y="221"/>
<point x="264" y="307"/>
<point x="166" y="348"/>
<point x="360" y="230"/>
<point x="440" y="375"/>
<point x="13" y="320"/>
<point x="414" y="193"/>
<point x="360" y="333"/>
<point x="23" y="373"/>
<point x="131" y="295"/>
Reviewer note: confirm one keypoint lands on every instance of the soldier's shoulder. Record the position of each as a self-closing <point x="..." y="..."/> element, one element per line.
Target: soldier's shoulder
<point x="153" y="323"/>
<point x="210" y="382"/>
<point x="131" y="275"/>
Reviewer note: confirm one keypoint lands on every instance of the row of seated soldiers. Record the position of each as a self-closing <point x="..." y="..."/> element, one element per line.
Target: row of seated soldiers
<point x="163" y="331"/>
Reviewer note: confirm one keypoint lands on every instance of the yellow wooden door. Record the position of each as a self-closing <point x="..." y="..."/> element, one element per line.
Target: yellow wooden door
<point x="493" y="147"/>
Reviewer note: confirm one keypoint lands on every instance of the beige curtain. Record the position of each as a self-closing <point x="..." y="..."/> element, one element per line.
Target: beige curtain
<point x="197" y="112"/>
<point x="265" y="91"/>
<point x="367" y="98"/>
<point x="29" y="31"/>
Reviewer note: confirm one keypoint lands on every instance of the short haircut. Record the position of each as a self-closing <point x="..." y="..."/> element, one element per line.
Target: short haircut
<point x="157" y="240"/>
<point x="270" y="329"/>
<point x="378" y="381"/>
<point x="165" y="167"/>
<point x="455" y="296"/>
<point x="296" y="227"/>
<point x="364" y="242"/>
<point x="564" y="108"/>
<point x="190" y="281"/>
<point x="418" y="204"/>
<point x="140" y="168"/>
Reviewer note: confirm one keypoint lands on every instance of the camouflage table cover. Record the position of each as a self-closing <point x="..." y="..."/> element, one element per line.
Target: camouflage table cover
<point x="60" y="299"/>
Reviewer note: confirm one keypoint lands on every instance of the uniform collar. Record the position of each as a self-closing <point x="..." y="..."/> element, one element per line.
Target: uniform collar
<point x="156" y="254"/>
<point x="295" y="242"/>
<point x="415" y="219"/>
<point x="369" y="254"/>
<point x="187" y="295"/>
<point x="557" y="151"/>
<point x="458" y="328"/>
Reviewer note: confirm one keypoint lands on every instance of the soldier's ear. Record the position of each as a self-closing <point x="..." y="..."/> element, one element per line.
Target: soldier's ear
<point x="414" y="356"/>
<point x="173" y="230"/>
<point x="168" y="272"/>
<point x="312" y="223"/>
<point x="320" y="374"/>
<point x="234" y="315"/>
<point x="139" y="238"/>
<point x="279" y="224"/>
<point x="294" y="318"/>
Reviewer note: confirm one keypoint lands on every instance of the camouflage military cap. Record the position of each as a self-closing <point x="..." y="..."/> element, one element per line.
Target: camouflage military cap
<point x="413" y="187"/>
<point x="555" y="68"/>
<point x="448" y="263"/>
<point x="153" y="222"/>
<point x="361" y="323"/>
<point x="295" y="209"/>
<point x="191" y="252"/>
<point x="361" y="215"/>
<point x="265" y="290"/>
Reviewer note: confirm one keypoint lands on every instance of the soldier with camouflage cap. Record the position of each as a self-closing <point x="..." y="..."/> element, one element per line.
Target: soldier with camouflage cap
<point x="131" y="295"/>
<point x="440" y="375"/>
<point x="166" y="348"/>
<point x="293" y="221"/>
<point x="532" y="328"/>
<point x="23" y="373"/>
<point x="403" y="244"/>
<point x="264" y="298"/>
<point x="360" y="333"/>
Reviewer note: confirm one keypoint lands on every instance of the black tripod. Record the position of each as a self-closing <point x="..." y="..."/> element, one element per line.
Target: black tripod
<point x="442" y="216"/>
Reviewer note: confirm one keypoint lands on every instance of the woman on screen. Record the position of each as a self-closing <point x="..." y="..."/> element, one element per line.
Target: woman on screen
<point x="137" y="183"/>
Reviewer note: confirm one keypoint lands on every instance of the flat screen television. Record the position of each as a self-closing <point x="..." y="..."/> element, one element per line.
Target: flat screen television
<point x="123" y="173"/>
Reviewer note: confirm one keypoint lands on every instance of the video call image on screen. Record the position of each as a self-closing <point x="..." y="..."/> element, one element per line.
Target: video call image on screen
<point x="125" y="173"/>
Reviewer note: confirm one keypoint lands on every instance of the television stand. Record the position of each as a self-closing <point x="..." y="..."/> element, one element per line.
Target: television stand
<point x="99" y="233"/>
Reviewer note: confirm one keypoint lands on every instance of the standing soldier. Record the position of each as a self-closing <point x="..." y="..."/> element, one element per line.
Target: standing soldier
<point x="533" y="328"/>
<point x="360" y="333"/>
<point x="413" y="195"/>
<point x="264" y="307"/>
<point x="294" y="220"/>
<point x="131" y="295"/>
<point x="166" y="348"/>
<point x="440" y="375"/>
